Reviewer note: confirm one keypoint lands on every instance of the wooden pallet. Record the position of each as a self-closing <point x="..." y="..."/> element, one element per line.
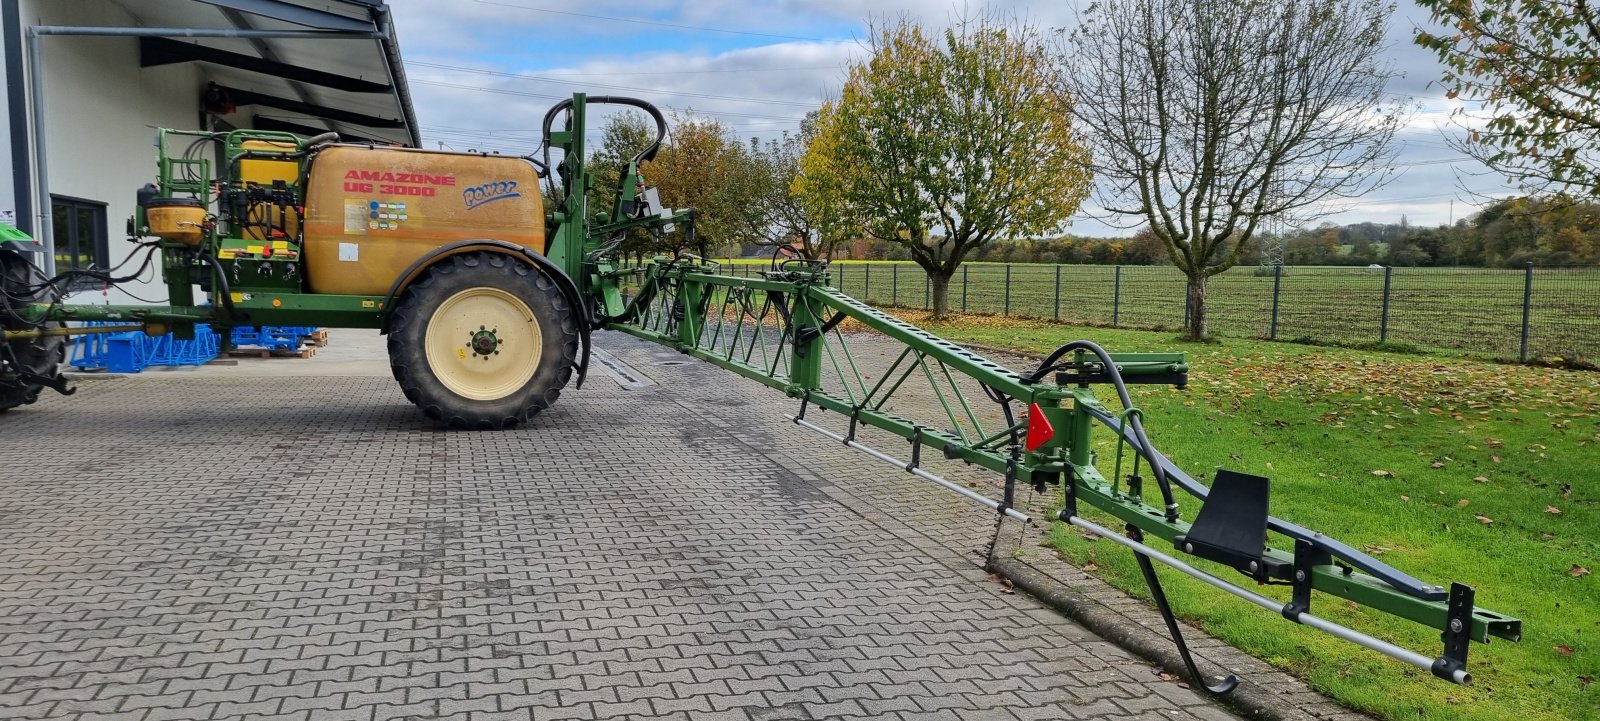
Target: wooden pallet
<point x="264" y="353"/>
<point x="318" y="339"/>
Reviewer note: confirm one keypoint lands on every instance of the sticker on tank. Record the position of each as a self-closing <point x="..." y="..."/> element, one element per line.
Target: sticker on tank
<point x="489" y="192"/>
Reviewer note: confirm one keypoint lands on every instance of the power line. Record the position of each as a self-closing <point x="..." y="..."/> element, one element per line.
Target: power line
<point x="655" y="23"/>
<point x="537" y="78"/>
<point x="789" y="69"/>
<point x="521" y="93"/>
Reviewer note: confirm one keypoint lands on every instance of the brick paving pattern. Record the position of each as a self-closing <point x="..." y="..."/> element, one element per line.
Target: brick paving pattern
<point x="313" y="548"/>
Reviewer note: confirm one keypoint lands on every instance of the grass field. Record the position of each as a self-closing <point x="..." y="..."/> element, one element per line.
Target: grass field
<point x="1478" y="310"/>
<point x="1448" y="468"/>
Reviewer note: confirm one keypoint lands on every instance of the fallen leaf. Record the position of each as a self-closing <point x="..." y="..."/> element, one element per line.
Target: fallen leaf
<point x="1436" y="464"/>
<point x="1586" y="680"/>
<point x="1405" y="498"/>
<point x="1547" y="536"/>
<point x="1091" y="566"/>
<point x="1007" y="588"/>
<point x="1566" y="491"/>
<point x="1480" y="479"/>
<point x="1493" y="442"/>
<point x="1462" y="502"/>
<point x="1552" y="510"/>
<point x="1383" y="474"/>
<point x="1485" y="520"/>
<point x="1495" y="457"/>
<point x="1236" y="456"/>
<point x="1564" y="650"/>
<point x="1578" y="571"/>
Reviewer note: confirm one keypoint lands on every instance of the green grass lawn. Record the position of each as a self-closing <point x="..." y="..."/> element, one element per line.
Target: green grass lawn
<point x="1447" y="468"/>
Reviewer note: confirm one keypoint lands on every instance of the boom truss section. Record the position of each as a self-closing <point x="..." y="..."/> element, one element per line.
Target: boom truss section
<point x="791" y="330"/>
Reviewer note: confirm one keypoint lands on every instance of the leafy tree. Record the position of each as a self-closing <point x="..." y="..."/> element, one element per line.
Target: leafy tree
<point x="1554" y="230"/>
<point x="946" y="143"/>
<point x="779" y="214"/>
<point x="623" y="136"/>
<point x="1536" y="68"/>
<point x="701" y="166"/>
<point x="1209" y="117"/>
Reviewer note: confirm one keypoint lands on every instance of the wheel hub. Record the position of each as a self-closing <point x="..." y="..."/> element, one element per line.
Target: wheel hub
<point x="483" y="343"/>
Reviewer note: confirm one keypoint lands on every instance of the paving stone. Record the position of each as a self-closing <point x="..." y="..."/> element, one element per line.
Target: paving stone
<point x="672" y="552"/>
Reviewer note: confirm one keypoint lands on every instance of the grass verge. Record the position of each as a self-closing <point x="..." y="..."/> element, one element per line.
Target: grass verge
<point x="1447" y="468"/>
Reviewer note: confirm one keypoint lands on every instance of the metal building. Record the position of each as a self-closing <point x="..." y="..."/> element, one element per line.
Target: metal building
<point x="88" y="81"/>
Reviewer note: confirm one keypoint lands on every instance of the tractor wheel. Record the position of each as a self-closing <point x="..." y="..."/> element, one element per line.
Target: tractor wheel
<point x="483" y="341"/>
<point x="19" y="280"/>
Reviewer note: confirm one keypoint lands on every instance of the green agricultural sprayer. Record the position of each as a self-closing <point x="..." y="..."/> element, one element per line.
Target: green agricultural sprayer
<point x="488" y="316"/>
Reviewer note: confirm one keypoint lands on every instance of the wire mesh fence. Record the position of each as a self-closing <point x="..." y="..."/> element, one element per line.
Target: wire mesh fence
<point x="1531" y="313"/>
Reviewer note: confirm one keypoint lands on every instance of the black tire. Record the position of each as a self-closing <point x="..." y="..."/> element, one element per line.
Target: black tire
<point x="40" y="356"/>
<point x="421" y="303"/>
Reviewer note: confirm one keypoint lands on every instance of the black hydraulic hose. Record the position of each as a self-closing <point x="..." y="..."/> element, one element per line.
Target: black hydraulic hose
<point x="649" y="153"/>
<point x="1144" y="446"/>
<point x="222" y="287"/>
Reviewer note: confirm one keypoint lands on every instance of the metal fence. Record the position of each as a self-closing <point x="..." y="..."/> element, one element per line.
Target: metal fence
<point x="1523" y="314"/>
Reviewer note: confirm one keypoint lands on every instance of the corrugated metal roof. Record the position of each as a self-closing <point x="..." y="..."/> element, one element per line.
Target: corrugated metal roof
<point x="289" y="81"/>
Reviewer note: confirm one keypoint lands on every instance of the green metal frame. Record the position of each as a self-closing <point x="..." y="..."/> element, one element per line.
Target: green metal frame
<point x="673" y="307"/>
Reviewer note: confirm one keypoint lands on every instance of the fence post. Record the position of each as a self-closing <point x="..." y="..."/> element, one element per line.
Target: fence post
<point x="963" y="289"/>
<point x="841" y="280"/>
<point x="894" y="285"/>
<point x="1383" y="325"/>
<point x="1116" y="297"/>
<point x="1277" y="287"/>
<point x="1007" y="310"/>
<point x="866" y="287"/>
<point x="1527" y="311"/>
<point x="1186" y="302"/>
<point x="1058" y="292"/>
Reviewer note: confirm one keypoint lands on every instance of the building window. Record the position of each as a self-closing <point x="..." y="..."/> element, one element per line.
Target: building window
<point x="79" y="229"/>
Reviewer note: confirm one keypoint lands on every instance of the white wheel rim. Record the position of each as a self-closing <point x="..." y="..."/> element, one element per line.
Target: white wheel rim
<point x="483" y="343"/>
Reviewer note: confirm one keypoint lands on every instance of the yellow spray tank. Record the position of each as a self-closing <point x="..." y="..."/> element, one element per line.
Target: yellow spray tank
<point x="371" y="212"/>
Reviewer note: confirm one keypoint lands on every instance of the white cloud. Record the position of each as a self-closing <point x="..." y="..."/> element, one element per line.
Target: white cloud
<point x="483" y="98"/>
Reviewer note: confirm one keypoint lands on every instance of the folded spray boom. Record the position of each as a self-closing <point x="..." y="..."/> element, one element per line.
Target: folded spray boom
<point x="787" y="328"/>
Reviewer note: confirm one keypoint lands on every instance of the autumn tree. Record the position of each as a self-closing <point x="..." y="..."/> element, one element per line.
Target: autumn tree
<point x="1207" y="118"/>
<point x="779" y="213"/>
<point x="1535" y="66"/>
<point x="702" y="166"/>
<point x="624" y="135"/>
<point x="945" y="142"/>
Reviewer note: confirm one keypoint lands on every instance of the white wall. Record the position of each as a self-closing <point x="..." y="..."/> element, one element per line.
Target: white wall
<point x="101" y="112"/>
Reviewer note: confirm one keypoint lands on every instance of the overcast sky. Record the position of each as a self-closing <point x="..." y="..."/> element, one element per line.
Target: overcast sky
<point x="483" y="72"/>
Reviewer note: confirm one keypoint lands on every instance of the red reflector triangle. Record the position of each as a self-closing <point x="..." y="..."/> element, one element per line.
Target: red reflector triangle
<point x="1039" y="429"/>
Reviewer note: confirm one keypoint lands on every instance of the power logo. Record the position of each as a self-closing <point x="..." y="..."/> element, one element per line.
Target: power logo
<point x="489" y="192"/>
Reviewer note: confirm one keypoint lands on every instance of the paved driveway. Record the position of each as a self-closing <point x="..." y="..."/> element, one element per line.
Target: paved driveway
<point x="291" y="539"/>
